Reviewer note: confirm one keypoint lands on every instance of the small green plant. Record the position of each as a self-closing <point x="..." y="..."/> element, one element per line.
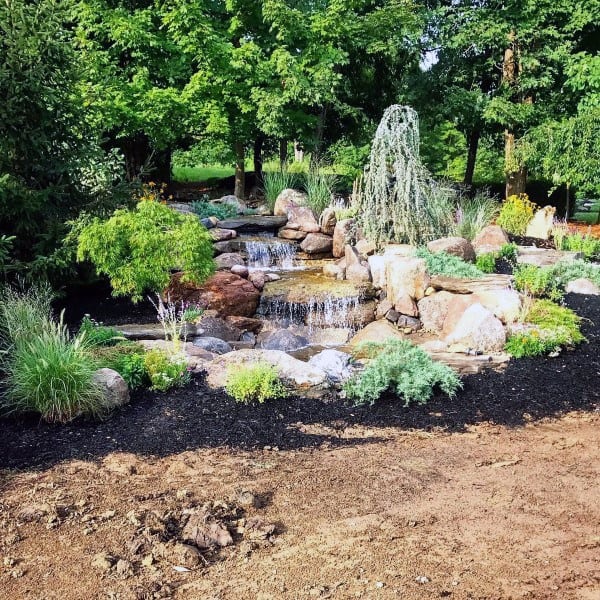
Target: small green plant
<point x="537" y="281"/>
<point x="97" y="334"/>
<point x="274" y="182"/>
<point x="133" y="370"/>
<point x="486" y="263"/>
<point x="587" y="244"/>
<point x="516" y="213"/>
<point x="440" y="263"/>
<point x="165" y="371"/>
<point x="402" y="368"/>
<point x="319" y="189"/>
<point x="509" y="252"/>
<point x="191" y="313"/>
<point x="127" y="358"/>
<point x="554" y="327"/>
<point x="205" y="209"/>
<point x="6" y="243"/>
<point x="256" y="382"/>
<point x="564" y="272"/>
<point x="52" y="375"/>
<point x="137" y="249"/>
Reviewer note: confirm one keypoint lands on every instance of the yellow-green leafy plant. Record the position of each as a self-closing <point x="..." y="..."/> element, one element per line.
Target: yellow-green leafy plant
<point x="165" y="371"/>
<point x="137" y="249"/>
<point x="255" y="382"/>
<point x="516" y="213"/>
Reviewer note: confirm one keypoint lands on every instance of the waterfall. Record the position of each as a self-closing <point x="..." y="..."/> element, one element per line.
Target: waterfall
<point x="263" y="254"/>
<point x="328" y="311"/>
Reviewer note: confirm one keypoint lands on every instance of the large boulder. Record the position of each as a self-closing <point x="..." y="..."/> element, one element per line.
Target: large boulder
<point x="335" y="363"/>
<point x="113" y="386"/>
<point x="317" y="243"/>
<point x="490" y="239"/>
<point x="542" y="223"/>
<point x="285" y="340"/>
<point x="342" y="235"/>
<point x="377" y="331"/>
<point x="291" y="234"/>
<point x="433" y="310"/>
<point x="286" y="199"/>
<point x="456" y="246"/>
<point x="478" y="329"/>
<point x="456" y="309"/>
<point x="224" y="292"/>
<point x="245" y="323"/>
<point x="504" y="304"/>
<point x="582" y="286"/>
<point x="377" y="268"/>
<point x="328" y="221"/>
<point x="405" y="276"/>
<point x="228" y="260"/>
<point x="302" y="218"/>
<point x="305" y="378"/>
<point x="220" y="235"/>
<point x="218" y="328"/>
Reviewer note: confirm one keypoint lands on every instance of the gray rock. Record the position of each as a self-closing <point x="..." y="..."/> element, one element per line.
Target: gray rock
<point x="284" y="340"/>
<point x="392" y="315"/>
<point x="209" y="222"/>
<point x="253" y="223"/>
<point x="258" y="279"/>
<point x="288" y="198"/>
<point x="406" y="322"/>
<point x="218" y="328"/>
<point x="478" y="329"/>
<point x="334" y="363"/>
<point x="582" y="286"/>
<point x="211" y="344"/>
<point x="455" y="246"/>
<point x="114" y="387"/>
<point x="241" y="270"/>
<point x="328" y="221"/>
<point x="302" y="218"/>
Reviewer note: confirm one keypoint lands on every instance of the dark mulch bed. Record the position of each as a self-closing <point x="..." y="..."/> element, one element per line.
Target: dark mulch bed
<point x="521" y="240"/>
<point x="196" y="417"/>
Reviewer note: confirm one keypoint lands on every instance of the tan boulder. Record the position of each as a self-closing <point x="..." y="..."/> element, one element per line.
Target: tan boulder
<point x="342" y="234"/>
<point x="582" y="286"/>
<point x="377" y="331"/>
<point x="317" y="243"/>
<point x="405" y="276"/>
<point x="478" y="329"/>
<point x="405" y="305"/>
<point x="291" y="234"/>
<point x="456" y="246"/>
<point x="286" y="199"/>
<point x="433" y="310"/>
<point x="302" y="218"/>
<point x="377" y="267"/>
<point x="504" y="304"/>
<point x="328" y="221"/>
<point x="490" y="239"/>
<point x="542" y="223"/>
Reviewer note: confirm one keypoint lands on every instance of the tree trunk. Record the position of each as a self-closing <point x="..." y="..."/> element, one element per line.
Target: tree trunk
<point x="161" y="167"/>
<point x="472" y="156"/>
<point x="298" y="152"/>
<point x="258" y="158"/>
<point x="240" y="175"/>
<point x="283" y="154"/>
<point x="516" y="176"/>
<point x="315" y="158"/>
<point x="136" y="152"/>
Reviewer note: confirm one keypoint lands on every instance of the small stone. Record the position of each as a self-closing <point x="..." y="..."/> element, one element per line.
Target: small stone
<point x="124" y="568"/>
<point x="103" y="561"/>
<point x="17" y="573"/>
<point x="422" y="579"/>
<point x="379" y="585"/>
<point x="9" y="562"/>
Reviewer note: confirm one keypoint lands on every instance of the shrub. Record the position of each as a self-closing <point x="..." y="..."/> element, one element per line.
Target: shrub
<point x="256" y="382"/>
<point x="205" y="209"/>
<point x="164" y="371"/>
<point x="274" y="182"/>
<point x="97" y="334"/>
<point x="402" y="368"/>
<point x="319" y="189"/>
<point x="472" y="215"/>
<point x="509" y="252"/>
<point x="127" y="358"/>
<point x="563" y="272"/>
<point x="486" y="263"/>
<point x="441" y="263"/>
<point x="52" y="375"/>
<point x="587" y="244"/>
<point x="554" y="327"/>
<point x="516" y="213"/>
<point x="138" y="248"/>
<point x="537" y="281"/>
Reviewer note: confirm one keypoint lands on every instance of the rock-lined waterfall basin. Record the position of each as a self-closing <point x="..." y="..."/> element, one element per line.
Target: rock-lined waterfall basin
<point x="327" y="311"/>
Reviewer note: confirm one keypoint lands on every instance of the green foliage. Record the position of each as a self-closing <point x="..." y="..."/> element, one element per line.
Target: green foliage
<point x="97" y="334"/>
<point x="6" y="243"/>
<point x="274" y="182"/>
<point x="563" y="272"/>
<point x="585" y="243"/>
<point x="127" y="358"/>
<point x="554" y="327"/>
<point x="205" y="209"/>
<point x="440" y="263"/>
<point x="402" y="368"/>
<point x="537" y="281"/>
<point x="516" y="213"/>
<point x="256" y="382"/>
<point x="138" y="248"/>
<point x="472" y="215"/>
<point x="319" y="188"/>
<point x="165" y="371"/>
<point x="486" y="263"/>
<point x="509" y="252"/>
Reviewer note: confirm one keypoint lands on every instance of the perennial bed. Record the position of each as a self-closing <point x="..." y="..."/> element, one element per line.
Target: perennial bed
<point x="196" y="417"/>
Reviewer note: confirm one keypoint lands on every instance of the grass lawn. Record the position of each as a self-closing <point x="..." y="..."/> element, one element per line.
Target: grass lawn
<point x="202" y="173"/>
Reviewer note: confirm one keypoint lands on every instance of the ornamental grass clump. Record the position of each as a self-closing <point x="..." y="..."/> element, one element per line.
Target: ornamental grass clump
<point x="473" y="214"/>
<point x="399" y="367"/>
<point x="256" y="382"/>
<point x="319" y="188"/>
<point x="274" y="182"/>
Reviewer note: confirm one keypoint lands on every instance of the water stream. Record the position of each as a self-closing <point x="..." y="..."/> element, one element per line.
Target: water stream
<point x="270" y="254"/>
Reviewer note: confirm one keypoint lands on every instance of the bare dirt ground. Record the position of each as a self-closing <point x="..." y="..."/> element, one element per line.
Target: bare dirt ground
<point x="489" y="512"/>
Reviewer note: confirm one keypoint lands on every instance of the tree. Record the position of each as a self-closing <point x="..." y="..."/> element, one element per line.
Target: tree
<point x="51" y="165"/>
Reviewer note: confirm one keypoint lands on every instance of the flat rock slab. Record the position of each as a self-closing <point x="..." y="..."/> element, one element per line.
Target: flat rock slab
<point x="465" y="364"/>
<point x="253" y="223"/>
<point x="151" y="331"/>
<point x="461" y="285"/>
<point x="543" y="257"/>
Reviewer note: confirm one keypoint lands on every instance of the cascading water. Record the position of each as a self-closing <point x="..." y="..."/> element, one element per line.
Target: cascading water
<point x="327" y="311"/>
<point x="264" y="254"/>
